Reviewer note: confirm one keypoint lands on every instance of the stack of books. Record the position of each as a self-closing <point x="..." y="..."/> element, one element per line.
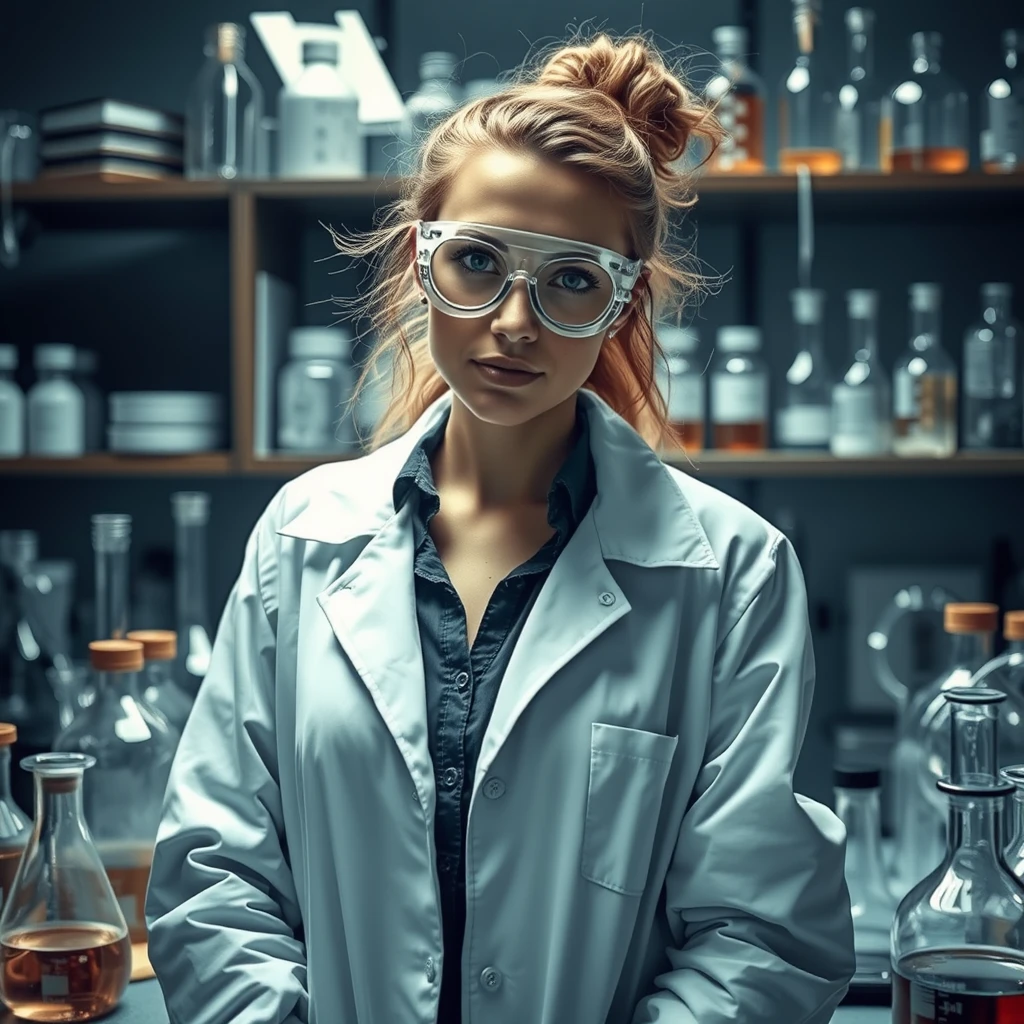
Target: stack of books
<point x="108" y="140"/>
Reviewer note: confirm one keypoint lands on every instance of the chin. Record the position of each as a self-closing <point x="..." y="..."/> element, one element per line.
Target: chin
<point x="499" y="407"/>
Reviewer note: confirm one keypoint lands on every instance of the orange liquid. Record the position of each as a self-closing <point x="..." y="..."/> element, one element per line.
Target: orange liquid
<point x="689" y="434"/>
<point x="64" y="971"/>
<point x="818" y="161"/>
<point x="9" y="861"/>
<point x="995" y="167"/>
<point x="743" y="152"/>
<point x="129" y="885"/>
<point x="934" y="159"/>
<point x="741" y="437"/>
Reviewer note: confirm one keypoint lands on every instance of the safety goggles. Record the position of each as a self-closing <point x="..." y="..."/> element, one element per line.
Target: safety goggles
<point x="575" y="289"/>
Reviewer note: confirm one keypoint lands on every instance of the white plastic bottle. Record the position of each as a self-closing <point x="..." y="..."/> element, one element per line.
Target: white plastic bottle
<point x="12" y="406"/>
<point x="318" y="120"/>
<point x="56" y="407"/>
<point x="436" y="98"/>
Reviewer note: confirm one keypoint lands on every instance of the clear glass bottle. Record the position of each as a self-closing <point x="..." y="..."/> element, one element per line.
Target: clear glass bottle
<point x="738" y="96"/>
<point x="64" y="948"/>
<point x="111" y="545"/>
<point x="681" y="380"/>
<point x="14" y="826"/>
<point x="862" y="398"/>
<point x="56" y="406"/>
<point x="804" y="417"/>
<point x="957" y="936"/>
<point x="1002" y="134"/>
<point x="925" y="383"/>
<point x="12" y="406"/>
<point x="991" y="397"/>
<point x="224" y="114"/>
<point x="160" y="688"/>
<point x="133" y="746"/>
<point x="807" y="122"/>
<point x="929" y="114"/>
<point x="739" y="391"/>
<point x="859" y="111"/>
<point x="20" y="669"/>
<point x="436" y="98"/>
<point x="1006" y="672"/>
<point x="191" y="511"/>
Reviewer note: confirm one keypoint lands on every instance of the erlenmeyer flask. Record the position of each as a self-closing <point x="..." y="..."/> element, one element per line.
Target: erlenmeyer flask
<point x="159" y="688"/>
<point x="63" y="940"/>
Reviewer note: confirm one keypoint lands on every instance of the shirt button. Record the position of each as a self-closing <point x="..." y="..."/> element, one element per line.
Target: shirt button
<point x="451" y="776"/>
<point x="430" y="970"/>
<point x="491" y="979"/>
<point x="462" y="680"/>
<point x="494" y="788"/>
<point x="607" y="598"/>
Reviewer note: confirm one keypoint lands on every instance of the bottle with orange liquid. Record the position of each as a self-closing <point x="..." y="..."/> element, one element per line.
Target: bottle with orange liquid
<point x="807" y="103"/>
<point x="1002" y="135"/>
<point x="14" y="826"/>
<point x="928" y="113"/>
<point x="681" y="380"/>
<point x="739" y="391"/>
<point x="738" y="96"/>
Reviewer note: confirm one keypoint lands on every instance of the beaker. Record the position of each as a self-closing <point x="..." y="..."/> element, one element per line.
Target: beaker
<point x="63" y="941"/>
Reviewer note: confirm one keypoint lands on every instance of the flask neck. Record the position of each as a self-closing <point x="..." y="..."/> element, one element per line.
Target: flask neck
<point x="976" y="826"/>
<point x="860" y="52"/>
<point x="190" y="574"/>
<point x="809" y="339"/>
<point x="970" y="650"/>
<point x="58" y="805"/>
<point x="115" y="685"/>
<point x="805" y="27"/>
<point x="112" y="573"/>
<point x="997" y="306"/>
<point x="926" y="53"/>
<point x="1014" y="647"/>
<point x="5" y="774"/>
<point x="864" y="336"/>
<point x="925" y="328"/>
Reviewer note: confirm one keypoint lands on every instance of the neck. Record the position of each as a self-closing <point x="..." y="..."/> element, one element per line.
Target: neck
<point x="493" y="466"/>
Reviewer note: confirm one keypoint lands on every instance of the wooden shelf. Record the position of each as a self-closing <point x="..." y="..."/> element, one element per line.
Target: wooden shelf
<point x="109" y="464"/>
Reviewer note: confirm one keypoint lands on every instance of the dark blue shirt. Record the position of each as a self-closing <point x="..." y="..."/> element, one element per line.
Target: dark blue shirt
<point x="461" y="683"/>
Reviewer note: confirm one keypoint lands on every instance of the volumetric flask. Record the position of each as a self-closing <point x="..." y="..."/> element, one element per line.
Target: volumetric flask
<point x="64" y="948"/>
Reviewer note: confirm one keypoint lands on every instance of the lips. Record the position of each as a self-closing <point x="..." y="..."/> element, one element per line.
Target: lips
<point x="503" y="363"/>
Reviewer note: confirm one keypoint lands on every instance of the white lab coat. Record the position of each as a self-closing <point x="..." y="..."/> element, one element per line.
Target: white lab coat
<point x="635" y="849"/>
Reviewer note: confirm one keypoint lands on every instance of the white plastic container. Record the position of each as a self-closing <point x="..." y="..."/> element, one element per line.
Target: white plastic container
<point x="176" y="408"/>
<point x="12" y="406"/>
<point x="56" y="407"/>
<point x="318" y="120"/>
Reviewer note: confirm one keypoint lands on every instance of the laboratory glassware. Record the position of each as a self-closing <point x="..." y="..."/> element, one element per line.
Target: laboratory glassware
<point x="111" y="544"/>
<point x="1014" y="844"/>
<point x="739" y="391"/>
<point x="56" y="406"/>
<point x="738" y="98"/>
<point x="14" y="826"/>
<point x="925" y="383"/>
<point x="681" y="379"/>
<point x="929" y="114"/>
<point x="859" y="108"/>
<point x="20" y="667"/>
<point x="991" y="392"/>
<point x="224" y="113"/>
<point x="956" y="940"/>
<point x="1002" y="134"/>
<point x="862" y="398"/>
<point x="133" y="746"/>
<point x="436" y="98"/>
<point x="804" y="416"/>
<point x="65" y="954"/>
<point x="12" y="406"/>
<point x="191" y="512"/>
<point x="807" y="124"/>
<point x="160" y="687"/>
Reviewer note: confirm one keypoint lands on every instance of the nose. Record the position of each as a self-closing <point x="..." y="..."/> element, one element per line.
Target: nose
<point x="514" y="320"/>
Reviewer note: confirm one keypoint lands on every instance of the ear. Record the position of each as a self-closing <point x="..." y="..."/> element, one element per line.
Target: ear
<point x="637" y="294"/>
<point x="421" y="294"/>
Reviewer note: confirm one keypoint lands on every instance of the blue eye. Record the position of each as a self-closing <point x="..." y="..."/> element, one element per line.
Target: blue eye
<point x="476" y="261"/>
<point x="575" y="280"/>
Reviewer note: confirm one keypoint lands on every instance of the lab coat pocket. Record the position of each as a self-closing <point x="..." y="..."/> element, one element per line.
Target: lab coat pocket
<point x="628" y="771"/>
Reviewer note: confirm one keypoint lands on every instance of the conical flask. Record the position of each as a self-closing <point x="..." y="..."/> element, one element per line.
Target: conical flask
<point x="63" y="939"/>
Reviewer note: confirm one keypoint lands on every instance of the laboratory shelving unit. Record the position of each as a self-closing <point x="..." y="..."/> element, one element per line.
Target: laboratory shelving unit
<point x="264" y="220"/>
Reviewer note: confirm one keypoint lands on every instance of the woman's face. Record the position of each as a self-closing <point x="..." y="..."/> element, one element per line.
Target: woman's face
<point x="525" y="193"/>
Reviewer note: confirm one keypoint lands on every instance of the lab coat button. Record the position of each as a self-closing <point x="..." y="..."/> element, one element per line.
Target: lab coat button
<point x="430" y="971"/>
<point x="462" y="680"/>
<point x="491" y="979"/>
<point x="451" y="776"/>
<point x="607" y="598"/>
<point x="494" y="788"/>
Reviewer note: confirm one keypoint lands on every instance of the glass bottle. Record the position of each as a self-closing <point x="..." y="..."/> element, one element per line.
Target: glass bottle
<point x="859" y="112"/>
<point x="925" y="383"/>
<point x="20" y="667"/>
<point x="956" y="939"/>
<point x="224" y="114"/>
<point x="56" y="406"/>
<point x="1006" y="672"/>
<point x="191" y="511"/>
<point x="862" y="398"/>
<point x="738" y="96"/>
<point x="160" y="688"/>
<point x="111" y="544"/>
<point x="14" y="826"/>
<point x="64" y="943"/>
<point x="991" y="400"/>
<point x="12" y="406"/>
<point x="1002" y="135"/>
<point x="929" y="114"/>
<point x="681" y="380"/>
<point x="807" y="125"/>
<point x="804" y="417"/>
<point x="436" y="98"/>
<point x="739" y="391"/>
<point x="133" y="746"/>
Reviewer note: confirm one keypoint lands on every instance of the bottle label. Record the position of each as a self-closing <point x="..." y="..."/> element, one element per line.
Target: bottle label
<point x="979" y="370"/>
<point x="319" y="136"/>
<point x="906" y="395"/>
<point x="685" y="398"/>
<point x="739" y="398"/>
<point x="859" y="426"/>
<point x="804" y="425"/>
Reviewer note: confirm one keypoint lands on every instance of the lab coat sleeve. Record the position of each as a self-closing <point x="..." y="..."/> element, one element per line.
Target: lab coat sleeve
<point x="225" y="931"/>
<point x="757" y="878"/>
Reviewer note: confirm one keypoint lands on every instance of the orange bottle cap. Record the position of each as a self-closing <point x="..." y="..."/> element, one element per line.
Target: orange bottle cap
<point x="8" y="734"/>
<point x="971" y="618"/>
<point x="157" y="644"/>
<point x="1013" y="625"/>
<point x="116" y="655"/>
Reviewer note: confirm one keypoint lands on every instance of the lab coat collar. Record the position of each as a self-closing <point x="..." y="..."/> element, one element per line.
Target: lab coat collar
<point x="640" y="515"/>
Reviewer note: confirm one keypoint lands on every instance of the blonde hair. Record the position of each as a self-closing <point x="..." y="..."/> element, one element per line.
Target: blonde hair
<point x="610" y="109"/>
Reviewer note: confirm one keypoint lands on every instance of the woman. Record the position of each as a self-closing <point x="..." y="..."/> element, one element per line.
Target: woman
<point x="502" y="718"/>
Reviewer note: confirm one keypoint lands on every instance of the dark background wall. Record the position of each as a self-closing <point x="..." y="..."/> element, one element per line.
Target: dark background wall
<point x="155" y="304"/>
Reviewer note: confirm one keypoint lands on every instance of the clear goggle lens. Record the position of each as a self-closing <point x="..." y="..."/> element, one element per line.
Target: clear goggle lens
<point x="471" y="273"/>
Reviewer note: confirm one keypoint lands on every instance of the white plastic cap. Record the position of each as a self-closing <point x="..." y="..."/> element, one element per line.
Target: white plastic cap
<point x="320" y="51"/>
<point x="437" y="64"/>
<point x="54" y="357"/>
<point x="859" y="19"/>
<point x="925" y="296"/>
<point x="861" y="303"/>
<point x="8" y="357"/>
<point x="739" y="338"/>
<point x="190" y="508"/>
<point x="677" y="340"/>
<point x="808" y="305"/>
<point x="730" y="39"/>
<point x="318" y="343"/>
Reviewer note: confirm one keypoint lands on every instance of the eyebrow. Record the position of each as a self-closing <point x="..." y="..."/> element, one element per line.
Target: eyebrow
<point x="567" y="254"/>
<point x="484" y="237"/>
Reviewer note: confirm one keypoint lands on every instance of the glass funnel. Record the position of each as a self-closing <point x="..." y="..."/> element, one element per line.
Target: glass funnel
<point x="63" y="940"/>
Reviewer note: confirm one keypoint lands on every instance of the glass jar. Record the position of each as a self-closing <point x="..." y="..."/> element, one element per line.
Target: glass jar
<point x="1002" y="134"/>
<point x="14" y="826"/>
<point x="681" y="381"/>
<point x="859" y="113"/>
<point x="804" y="416"/>
<point x="739" y="391"/>
<point x="436" y="98"/>
<point x="738" y="97"/>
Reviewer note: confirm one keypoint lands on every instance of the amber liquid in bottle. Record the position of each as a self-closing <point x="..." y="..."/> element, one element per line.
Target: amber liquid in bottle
<point x="743" y="153"/>
<point x="933" y="159"/>
<point x="818" y="161"/>
<point x="10" y="858"/>
<point x="129" y="885"/>
<point x="689" y="434"/>
<point x="65" y="971"/>
<point x="741" y="437"/>
<point x="998" y="167"/>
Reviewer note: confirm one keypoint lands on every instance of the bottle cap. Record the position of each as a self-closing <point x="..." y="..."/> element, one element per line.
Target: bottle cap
<point x="116" y="655"/>
<point x="971" y="618"/>
<point x="190" y="508"/>
<point x="8" y="357"/>
<point x="808" y="305"/>
<point x="739" y="338"/>
<point x="318" y="343"/>
<point x="861" y="303"/>
<point x="8" y="734"/>
<point x="730" y="40"/>
<point x="54" y="357"/>
<point x="1013" y="626"/>
<point x="856" y="777"/>
<point x="437" y="64"/>
<point x="227" y="41"/>
<point x="157" y="644"/>
<point x="111" y="532"/>
<point x="320" y="51"/>
<point x="925" y="296"/>
<point x="859" y="19"/>
<point x="677" y="340"/>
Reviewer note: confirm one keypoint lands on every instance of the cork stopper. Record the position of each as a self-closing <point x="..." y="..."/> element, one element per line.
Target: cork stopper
<point x="1013" y="626"/>
<point x="8" y="734"/>
<point x="61" y="783"/>
<point x="116" y="655"/>
<point x="157" y="644"/>
<point x="971" y="618"/>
